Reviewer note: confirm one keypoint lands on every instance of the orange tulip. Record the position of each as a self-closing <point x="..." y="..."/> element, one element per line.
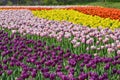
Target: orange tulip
<point x="99" y="11"/>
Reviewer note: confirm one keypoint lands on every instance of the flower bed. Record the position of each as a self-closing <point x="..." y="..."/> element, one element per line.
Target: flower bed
<point x="33" y="48"/>
<point x="22" y="58"/>
<point x="84" y="38"/>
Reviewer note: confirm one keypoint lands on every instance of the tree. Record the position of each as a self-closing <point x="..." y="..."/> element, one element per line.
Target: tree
<point x="36" y="1"/>
<point x="15" y="2"/>
<point x="104" y="0"/>
<point x="22" y="2"/>
<point x="4" y="2"/>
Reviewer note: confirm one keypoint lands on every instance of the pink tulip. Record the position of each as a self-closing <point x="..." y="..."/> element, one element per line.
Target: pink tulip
<point x="110" y="50"/>
<point x="118" y="52"/>
<point x="13" y="31"/>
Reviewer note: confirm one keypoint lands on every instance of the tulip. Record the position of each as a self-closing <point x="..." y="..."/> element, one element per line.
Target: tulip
<point x="5" y="67"/>
<point x="118" y="52"/>
<point x="52" y="76"/>
<point x="76" y="44"/>
<point x="9" y="72"/>
<point x="107" y="66"/>
<point x="33" y="74"/>
<point x="4" y="61"/>
<point x="46" y="74"/>
<point x="110" y="50"/>
<point x="1" y="73"/>
<point x="72" y="62"/>
<point x="19" y="78"/>
<point x="94" y="66"/>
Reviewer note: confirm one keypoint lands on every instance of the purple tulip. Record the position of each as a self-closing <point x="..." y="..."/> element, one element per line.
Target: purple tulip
<point x="52" y="76"/>
<point x="107" y="66"/>
<point x="114" y="71"/>
<point x="44" y="69"/>
<point x="5" y="67"/>
<point x="33" y="74"/>
<point x="66" y="55"/>
<point x="1" y="66"/>
<point x="94" y="66"/>
<point x="118" y="72"/>
<point x="105" y="75"/>
<point x="1" y="72"/>
<point x="88" y="65"/>
<point x="46" y="74"/>
<point x="72" y="62"/>
<point x="5" y="61"/>
<point x="19" y="78"/>
<point x="9" y="72"/>
<point x="67" y="67"/>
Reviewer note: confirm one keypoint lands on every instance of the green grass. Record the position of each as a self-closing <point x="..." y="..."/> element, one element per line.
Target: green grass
<point x="104" y="4"/>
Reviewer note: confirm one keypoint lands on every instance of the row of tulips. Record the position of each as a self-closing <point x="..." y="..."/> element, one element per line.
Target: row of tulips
<point x="24" y="7"/>
<point x="27" y="59"/>
<point x="99" y="11"/>
<point x="78" y="18"/>
<point x="40" y="7"/>
<point x="102" y="42"/>
<point x="111" y="13"/>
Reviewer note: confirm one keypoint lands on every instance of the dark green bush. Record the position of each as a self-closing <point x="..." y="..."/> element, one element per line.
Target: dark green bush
<point x="50" y="2"/>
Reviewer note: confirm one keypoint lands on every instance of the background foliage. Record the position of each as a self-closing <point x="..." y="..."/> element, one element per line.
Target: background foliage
<point x="49" y="2"/>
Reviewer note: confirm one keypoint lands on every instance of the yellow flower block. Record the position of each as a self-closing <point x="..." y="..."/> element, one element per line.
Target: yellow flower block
<point x="77" y="18"/>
